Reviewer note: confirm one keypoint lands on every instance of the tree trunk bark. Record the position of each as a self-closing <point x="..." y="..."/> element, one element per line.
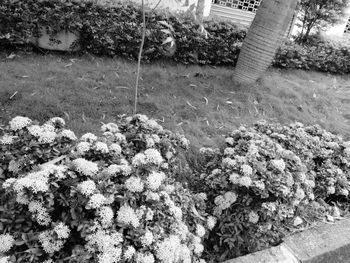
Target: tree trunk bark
<point x="263" y="38"/>
<point x="200" y="10"/>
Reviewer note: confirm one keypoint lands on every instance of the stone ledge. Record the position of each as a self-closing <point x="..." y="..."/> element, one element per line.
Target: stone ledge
<point x="326" y="243"/>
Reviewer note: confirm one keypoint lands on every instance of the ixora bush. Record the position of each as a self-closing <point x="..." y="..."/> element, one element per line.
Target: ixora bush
<point x="116" y="30"/>
<point x="269" y="179"/>
<point x="111" y="199"/>
<point x="324" y="56"/>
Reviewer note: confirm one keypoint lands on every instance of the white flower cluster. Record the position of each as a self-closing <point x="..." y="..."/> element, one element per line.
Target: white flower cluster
<point x="169" y="250"/>
<point x="85" y="167"/>
<point x="7" y="139"/>
<point x="134" y="184"/>
<point x="229" y="140"/>
<point x="253" y="217"/>
<point x="47" y="137"/>
<point x="87" y="188"/>
<point x="49" y="243"/>
<point x="19" y="122"/>
<point x="278" y="164"/>
<point x="35" y="130"/>
<point x="153" y="156"/>
<point x="106" y="215"/>
<point x="152" y="196"/>
<point x="154" y="180"/>
<point x="115" y="149"/>
<point x="119" y="138"/>
<point x="5" y="259"/>
<point x="83" y="147"/>
<point x="116" y="169"/>
<point x="229" y="152"/>
<point x="225" y="201"/>
<point x="229" y="162"/>
<point x="197" y="246"/>
<point x="139" y="160"/>
<point x="245" y="181"/>
<point x="200" y="230"/>
<point x="39" y="212"/>
<point x="88" y="137"/>
<point x="211" y="222"/>
<point x="56" y="120"/>
<point x="107" y="244"/>
<point x="101" y="147"/>
<point x="96" y="201"/>
<point x="147" y="238"/>
<point x="127" y="216"/>
<point x="36" y="182"/>
<point x="62" y="231"/>
<point x="45" y="133"/>
<point x="59" y="171"/>
<point x="68" y="134"/>
<point x="129" y="252"/>
<point x="110" y="127"/>
<point x="247" y="170"/>
<point x="6" y="242"/>
<point x="144" y="258"/>
<point x="184" y="142"/>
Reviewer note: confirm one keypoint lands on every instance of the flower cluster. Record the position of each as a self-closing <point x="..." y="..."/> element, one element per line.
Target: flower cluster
<point x="6" y="242"/>
<point x="118" y="194"/>
<point x="266" y="175"/>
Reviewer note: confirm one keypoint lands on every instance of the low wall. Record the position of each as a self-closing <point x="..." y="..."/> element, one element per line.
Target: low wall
<point x="326" y="243"/>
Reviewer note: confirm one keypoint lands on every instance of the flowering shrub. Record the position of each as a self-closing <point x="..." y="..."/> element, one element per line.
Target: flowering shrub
<point x="267" y="179"/>
<point x="115" y="30"/>
<point x="113" y="199"/>
<point x="24" y="144"/>
<point x="324" y="56"/>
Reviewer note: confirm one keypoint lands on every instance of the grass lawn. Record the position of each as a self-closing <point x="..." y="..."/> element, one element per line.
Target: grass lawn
<point x="200" y="102"/>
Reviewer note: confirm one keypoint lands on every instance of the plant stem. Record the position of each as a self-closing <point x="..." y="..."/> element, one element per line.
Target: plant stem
<point x="140" y="55"/>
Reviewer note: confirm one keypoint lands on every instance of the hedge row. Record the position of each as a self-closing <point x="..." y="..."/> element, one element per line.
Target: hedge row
<point x="324" y="56"/>
<point x="117" y="197"/>
<point x="116" y="31"/>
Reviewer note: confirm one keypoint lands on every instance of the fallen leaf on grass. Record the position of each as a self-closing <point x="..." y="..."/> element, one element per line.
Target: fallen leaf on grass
<point x="206" y="100"/>
<point x="67" y="115"/>
<point x="162" y="120"/>
<point x="11" y="56"/>
<point x="189" y="104"/>
<point x="14" y="94"/>
<point x="122" y="87"/>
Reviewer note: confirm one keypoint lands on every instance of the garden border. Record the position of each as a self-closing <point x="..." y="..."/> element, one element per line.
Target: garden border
<point x="324" y="243"/>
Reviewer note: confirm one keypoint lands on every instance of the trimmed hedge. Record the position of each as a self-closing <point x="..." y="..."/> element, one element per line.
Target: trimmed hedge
<point x="324" y="56"/>
<point x="116" y="31"/>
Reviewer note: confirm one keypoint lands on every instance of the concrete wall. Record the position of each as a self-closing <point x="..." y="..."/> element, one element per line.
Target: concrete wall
<point x="172" y="5"/>
<point x="325" y="243"/>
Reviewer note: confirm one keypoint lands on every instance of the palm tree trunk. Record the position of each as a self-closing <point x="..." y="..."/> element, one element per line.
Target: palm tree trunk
<point x="263" y="38"/>
<point x="199" y="10"/>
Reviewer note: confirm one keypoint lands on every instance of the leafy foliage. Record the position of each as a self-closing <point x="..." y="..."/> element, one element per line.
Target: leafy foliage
<point x="112" y="199"/>
<point x="270" y="179"/>
<point x="116" y="30"/>
<point x="319" y="14"/>
<point x="324" y="56"/>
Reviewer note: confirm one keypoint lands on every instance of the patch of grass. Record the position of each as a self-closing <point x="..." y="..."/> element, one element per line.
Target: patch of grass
<point x="200" y="102"/>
